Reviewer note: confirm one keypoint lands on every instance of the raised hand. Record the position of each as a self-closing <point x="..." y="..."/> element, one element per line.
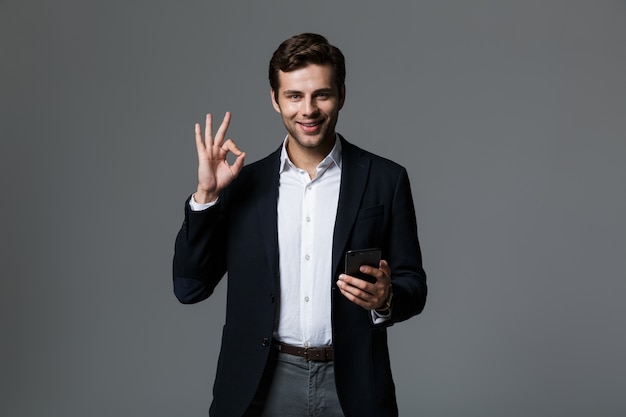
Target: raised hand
<point x="214" y="171"/>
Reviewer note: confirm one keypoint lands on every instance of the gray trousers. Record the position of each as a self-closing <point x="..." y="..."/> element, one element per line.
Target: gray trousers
<point x="301" y="388"/>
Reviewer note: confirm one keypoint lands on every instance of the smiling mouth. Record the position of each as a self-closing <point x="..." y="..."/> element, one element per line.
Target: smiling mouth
<point x="312" y="128"/>
<point x="312" y="124"/>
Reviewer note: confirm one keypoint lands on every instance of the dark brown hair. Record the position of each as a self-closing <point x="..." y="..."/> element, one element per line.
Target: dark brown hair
<point x="304" y="49"/>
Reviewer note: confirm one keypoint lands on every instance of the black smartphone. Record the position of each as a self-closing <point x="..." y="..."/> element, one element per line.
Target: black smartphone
<point x="358" y="257"/>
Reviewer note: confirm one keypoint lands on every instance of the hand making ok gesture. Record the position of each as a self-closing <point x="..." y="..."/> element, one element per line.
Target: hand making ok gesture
<point x="214" y="171"/>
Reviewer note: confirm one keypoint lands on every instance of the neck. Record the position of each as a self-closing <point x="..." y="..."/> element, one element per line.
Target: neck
<point x="308" y="158"/>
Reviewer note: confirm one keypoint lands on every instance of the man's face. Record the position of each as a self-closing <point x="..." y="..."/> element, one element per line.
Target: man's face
<point x="309" y="101"/>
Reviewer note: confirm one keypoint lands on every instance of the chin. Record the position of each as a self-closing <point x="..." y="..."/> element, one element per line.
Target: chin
<point x="312" y="142"/>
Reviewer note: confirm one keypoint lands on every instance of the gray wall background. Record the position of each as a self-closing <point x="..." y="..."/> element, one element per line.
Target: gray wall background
<point x="510" y="117"/>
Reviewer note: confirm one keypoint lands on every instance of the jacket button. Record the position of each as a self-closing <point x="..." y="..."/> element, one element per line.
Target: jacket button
<point x="265" y="342"/>
<point x="272" y="298"/>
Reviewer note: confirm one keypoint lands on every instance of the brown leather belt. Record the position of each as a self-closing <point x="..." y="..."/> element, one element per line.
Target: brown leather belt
<point x="317" y="354"/>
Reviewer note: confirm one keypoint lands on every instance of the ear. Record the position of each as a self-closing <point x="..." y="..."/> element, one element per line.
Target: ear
<point x="342" y="96"/>
<point x="274" y="102"/>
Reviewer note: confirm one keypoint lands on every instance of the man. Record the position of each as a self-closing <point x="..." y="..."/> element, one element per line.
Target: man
<point x="301" y="337"/>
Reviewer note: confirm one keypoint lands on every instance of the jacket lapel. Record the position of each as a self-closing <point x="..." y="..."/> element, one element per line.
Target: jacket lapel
<point x="266" y="189"/>
<point x="354" y="174"/>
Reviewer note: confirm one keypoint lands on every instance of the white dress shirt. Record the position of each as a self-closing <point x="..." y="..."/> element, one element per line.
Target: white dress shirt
<point x="306" y="220"/>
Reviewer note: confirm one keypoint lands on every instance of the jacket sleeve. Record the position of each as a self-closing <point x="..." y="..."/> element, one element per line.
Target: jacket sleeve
<point x="199" y="254"/>
<point x="408" y="277"/>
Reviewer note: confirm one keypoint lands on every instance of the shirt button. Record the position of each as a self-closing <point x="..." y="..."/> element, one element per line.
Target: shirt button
<point x="307" y="257"/>
<point x="308" y="219"/>
<point x="306" y="298"/>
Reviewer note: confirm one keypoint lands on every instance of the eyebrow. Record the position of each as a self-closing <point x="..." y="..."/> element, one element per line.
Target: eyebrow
<point x="321" y="90"/>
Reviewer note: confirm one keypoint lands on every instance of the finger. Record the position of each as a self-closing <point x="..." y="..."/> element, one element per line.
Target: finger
<point x="354" y="297"/>
<point x="384" y="266"/>
<point x="221" y="132"/>
<point x="357" y="283"/>
<point x="208" y="130"/>
<point x="199" y="142"/>
<point x="238" y="164"/>
<point x="352" y="290"/>
<point x="231" y="146"/>
<point x="386" y="278"/>
<point x="373" y="271"/>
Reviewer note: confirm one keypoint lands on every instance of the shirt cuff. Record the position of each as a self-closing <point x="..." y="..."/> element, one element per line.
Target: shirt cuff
<point x="379" y="318"/>
<point x="195" y="206"/>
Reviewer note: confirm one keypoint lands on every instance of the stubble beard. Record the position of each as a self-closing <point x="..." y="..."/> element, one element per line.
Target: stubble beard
<point x="326" y="137"/>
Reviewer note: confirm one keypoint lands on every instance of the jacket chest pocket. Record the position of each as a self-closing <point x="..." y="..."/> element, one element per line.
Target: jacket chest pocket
<point x="368" y="212"/>
<point x="368" y="228"/>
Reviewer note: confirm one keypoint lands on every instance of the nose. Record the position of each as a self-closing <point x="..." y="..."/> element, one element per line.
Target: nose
<point x="309" y="107"/>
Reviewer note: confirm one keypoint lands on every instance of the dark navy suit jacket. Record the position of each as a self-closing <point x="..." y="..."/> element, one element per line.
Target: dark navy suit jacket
<point x="239" y="236"/>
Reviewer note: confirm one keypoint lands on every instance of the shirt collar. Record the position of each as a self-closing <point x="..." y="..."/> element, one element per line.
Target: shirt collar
<point x="334" y="156"/>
